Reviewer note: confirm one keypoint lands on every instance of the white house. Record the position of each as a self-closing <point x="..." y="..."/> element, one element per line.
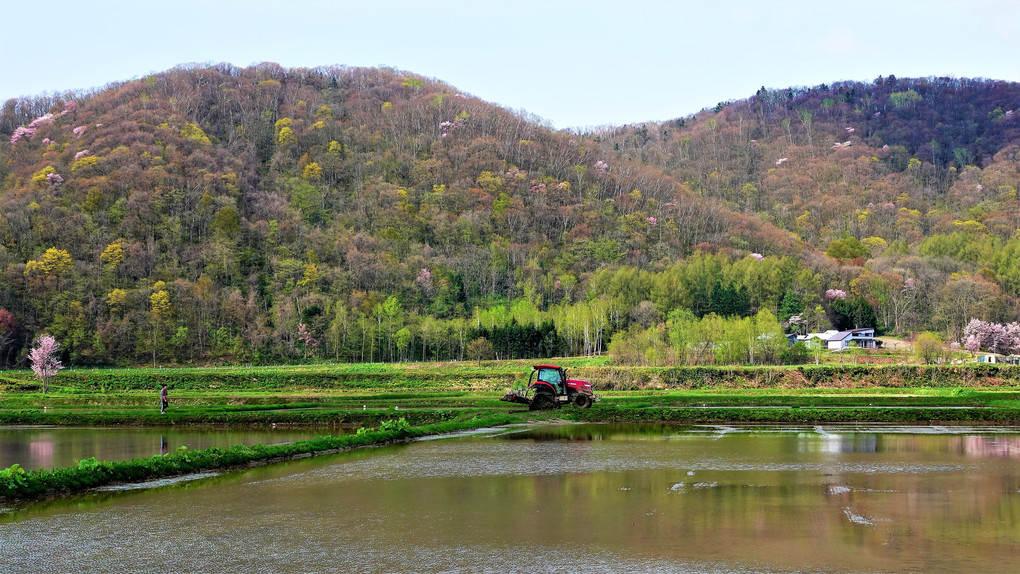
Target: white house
<point x="837" y="340"/>
<point x="863" y="338"/>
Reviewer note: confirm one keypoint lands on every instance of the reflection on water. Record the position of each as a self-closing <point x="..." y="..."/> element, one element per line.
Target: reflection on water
<point x="37" y="447"/>
<point x="574" y="498"/>
<point x="976" y="446"/>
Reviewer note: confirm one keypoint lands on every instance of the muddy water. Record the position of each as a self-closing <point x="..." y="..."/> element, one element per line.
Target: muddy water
<point x="37" y="447"/>
<point x="568" y="499"/>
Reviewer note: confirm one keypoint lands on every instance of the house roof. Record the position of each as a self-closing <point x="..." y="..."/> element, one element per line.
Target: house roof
<point x="844" y="334"/>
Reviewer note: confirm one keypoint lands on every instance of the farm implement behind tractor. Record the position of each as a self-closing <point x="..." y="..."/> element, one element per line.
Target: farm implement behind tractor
<point x="549" y="388"/>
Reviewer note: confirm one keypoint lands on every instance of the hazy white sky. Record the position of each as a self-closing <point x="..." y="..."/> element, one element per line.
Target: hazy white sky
<point x="574" y="63"/>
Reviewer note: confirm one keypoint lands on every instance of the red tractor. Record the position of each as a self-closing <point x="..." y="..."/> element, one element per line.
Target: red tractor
<point x="549" y="388"/>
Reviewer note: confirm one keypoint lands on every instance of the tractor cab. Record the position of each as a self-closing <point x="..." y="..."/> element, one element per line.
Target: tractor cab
<point x="548" y="376"/>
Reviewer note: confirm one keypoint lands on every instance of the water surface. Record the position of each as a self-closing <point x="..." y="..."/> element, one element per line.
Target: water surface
<point x="38" y="447"/>
<point x="581" y="498"/>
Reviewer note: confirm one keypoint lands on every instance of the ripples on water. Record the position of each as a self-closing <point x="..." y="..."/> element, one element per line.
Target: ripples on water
<point x="490" y="458"/>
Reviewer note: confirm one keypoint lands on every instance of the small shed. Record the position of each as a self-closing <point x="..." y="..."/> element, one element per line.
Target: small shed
<point x="992" y="358"/>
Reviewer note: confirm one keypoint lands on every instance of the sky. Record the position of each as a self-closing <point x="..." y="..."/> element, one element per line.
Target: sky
<point x="575" y="64"/>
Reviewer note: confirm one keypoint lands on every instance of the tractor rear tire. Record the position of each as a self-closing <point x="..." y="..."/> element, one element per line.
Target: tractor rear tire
<point x="582" y="401"/>
<point x="542" y="402"/>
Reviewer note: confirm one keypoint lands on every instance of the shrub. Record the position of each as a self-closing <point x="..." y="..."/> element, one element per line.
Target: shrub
<point x="929" y="348"/>
<point x="400" y="425"/>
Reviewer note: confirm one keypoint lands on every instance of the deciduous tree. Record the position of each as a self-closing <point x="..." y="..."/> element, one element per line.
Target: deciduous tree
<point x="45" y="359"/>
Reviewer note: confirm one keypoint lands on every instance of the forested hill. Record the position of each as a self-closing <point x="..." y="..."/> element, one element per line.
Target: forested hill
<point x="261" y="214"/>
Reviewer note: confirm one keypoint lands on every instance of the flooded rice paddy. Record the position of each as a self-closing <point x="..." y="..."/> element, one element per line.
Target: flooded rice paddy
<point x="46" y="447"/>
<point x="567" y="498"/>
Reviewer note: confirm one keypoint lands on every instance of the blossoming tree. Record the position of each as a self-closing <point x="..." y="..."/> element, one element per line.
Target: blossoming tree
<point x="44" y="359"/>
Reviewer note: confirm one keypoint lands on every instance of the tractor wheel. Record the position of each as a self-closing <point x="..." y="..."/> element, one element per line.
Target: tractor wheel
<point x="541" y="402"/>
<point x="582" y="401"/>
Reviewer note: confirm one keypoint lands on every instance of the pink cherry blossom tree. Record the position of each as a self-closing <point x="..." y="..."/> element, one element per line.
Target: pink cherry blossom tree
<point x="991" y="337"/>
<point x="21" y="132"/>
<point x="26" y="132"/>
<point x="835" y="294"/>
<point x="306" y="338"/>
<point x="44" y="359"/>
<point x="424" y="281"/>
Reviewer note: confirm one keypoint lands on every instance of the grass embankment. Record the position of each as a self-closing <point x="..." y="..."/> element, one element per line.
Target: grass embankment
<point x="497" y="375"/>
<point x="360" y="395"/>
<point x="371" y="377"/>
<point x="17" y="484"/>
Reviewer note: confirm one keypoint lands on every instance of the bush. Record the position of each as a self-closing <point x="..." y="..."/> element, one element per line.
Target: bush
<point x="929" y="348"/>
<point x="796" y="354"/>
<point x="400" y="425"/>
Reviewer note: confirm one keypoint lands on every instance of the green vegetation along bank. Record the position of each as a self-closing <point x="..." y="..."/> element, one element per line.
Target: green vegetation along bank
<point x="499" y="375"/>
<point x="17" y="484"/>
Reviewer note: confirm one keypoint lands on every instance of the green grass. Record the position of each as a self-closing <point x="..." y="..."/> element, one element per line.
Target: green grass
<point x="498" y="375"/>
<point x="360" y="394"/>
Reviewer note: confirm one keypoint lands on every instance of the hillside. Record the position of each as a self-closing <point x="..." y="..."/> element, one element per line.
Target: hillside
<point x="265" y="214"/>
<point x="910" y="184"/>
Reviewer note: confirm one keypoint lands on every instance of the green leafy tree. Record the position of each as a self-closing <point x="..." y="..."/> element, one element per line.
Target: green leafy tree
<point x="855" y="313"/>
<point x="904" y="99"/>
<point x="402" y="339"/>
<point x="846" y="249"/>
<point x="730" y="300"/>
<point x="797" y="354"/>
<point x="791" y="305"/>
<point x="227" y="222"/>
<point x="929" y="348"/>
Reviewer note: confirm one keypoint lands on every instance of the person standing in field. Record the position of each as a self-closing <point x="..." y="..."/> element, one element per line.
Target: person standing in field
<point x="164" y="399"/>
